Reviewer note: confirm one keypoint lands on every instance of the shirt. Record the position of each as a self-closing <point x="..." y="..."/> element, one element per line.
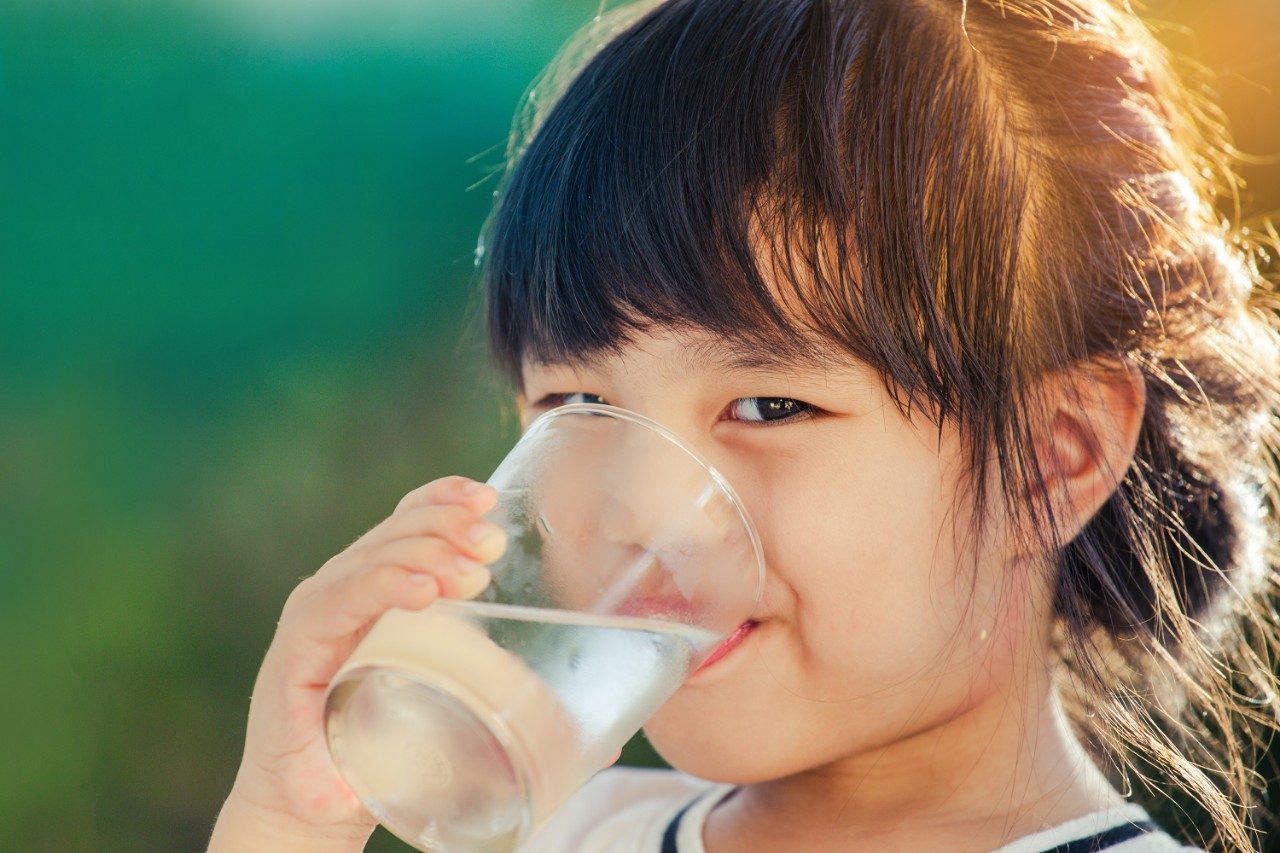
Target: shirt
<point x="653" y="810"/>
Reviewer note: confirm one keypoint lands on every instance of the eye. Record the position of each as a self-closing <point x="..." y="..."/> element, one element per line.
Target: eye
<point x="773" y="410"/>
<point x="562" y="399"/>
<point x="768" y="411"/>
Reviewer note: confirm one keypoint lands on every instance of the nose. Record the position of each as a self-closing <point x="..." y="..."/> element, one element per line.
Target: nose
<point x="658" y="495"/>
<point x="677" y="535"/>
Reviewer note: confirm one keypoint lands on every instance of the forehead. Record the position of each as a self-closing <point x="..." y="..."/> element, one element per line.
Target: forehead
<point x="681" y="354"/>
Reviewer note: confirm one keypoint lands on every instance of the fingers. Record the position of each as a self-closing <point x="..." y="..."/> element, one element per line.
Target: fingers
<point x="477" y="537"/>
<point x="320" y="625"/>
<point x="454" y="526"/>
<point x="454" y="570"/>
<point x="451" y="522"/>
<point x="452" y="489"/>
<point x="435" y="544"/>
<point x="410" y="572"/>
<point x="465" y="493"/>
<point x="350" y="604"/>
<point x="325" y="613"/>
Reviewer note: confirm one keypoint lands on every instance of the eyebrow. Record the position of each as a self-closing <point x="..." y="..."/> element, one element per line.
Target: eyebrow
<point x="722" y="354"/>
<point x="726" y="355"/>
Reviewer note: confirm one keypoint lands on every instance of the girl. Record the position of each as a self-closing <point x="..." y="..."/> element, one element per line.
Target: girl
<point x="940" y="287"/>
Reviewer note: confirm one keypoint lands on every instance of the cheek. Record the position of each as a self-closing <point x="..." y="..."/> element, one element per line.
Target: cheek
<point x="878" y="586"/>
<point x="873" y="639"/>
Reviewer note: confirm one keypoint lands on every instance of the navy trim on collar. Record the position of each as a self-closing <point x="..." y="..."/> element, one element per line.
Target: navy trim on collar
<point x="1089" y="844"/>
<point x="1106" y="838"/>
<point x="669" y="837"/>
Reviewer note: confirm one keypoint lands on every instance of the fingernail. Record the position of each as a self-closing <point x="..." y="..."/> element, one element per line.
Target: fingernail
<point x="482" y="530"/>
<point x="466" y="564"/>
<point x="420" y="578"/>
<point x="471" y="487"/>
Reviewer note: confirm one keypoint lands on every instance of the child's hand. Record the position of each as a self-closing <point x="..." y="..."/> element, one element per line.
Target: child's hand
<point x="287" y="792"/>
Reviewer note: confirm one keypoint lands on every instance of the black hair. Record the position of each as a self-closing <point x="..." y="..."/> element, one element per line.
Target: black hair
<point x="964" y="196"/>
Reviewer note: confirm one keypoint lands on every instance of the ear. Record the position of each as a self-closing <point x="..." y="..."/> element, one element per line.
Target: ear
<point x="1085" y="443"/>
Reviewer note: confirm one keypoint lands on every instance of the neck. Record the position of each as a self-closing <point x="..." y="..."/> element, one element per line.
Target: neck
<point x="1004" y="767"/>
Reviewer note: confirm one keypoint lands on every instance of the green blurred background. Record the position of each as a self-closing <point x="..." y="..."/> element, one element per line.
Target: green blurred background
<point x="237" y="297"/>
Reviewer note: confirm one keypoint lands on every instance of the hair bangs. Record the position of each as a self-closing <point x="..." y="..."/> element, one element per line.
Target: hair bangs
<point x="644" y="196"/>
<point x="707" y="142"/>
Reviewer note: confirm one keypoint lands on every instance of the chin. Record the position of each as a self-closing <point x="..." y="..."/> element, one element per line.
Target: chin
<point x="717" y="753"/>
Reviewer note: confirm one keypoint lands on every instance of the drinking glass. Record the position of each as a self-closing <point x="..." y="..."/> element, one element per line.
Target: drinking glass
<point x="463" y="725"/>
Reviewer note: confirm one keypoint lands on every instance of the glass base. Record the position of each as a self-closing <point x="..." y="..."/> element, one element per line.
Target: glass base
<point x="424" y="763"/>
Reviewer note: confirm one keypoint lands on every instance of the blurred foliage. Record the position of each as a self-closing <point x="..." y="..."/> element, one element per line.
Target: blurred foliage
<point x="236" y="325"/>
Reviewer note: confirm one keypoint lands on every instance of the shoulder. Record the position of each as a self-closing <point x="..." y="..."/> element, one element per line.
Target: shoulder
<point x="614" y="804"/>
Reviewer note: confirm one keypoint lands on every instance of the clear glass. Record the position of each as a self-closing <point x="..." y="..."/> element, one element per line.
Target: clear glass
<point x="464" y="725"/>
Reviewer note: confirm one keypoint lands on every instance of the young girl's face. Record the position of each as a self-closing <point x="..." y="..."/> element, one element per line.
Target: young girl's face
<point x="870" y="630"/>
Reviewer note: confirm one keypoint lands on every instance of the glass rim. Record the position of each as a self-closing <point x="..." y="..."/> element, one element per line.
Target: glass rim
<point x="627" y="414"/>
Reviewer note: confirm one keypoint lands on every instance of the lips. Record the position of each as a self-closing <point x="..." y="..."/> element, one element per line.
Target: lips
<point x="730" y="643"/>
<point x="659" y="607"/>
<point x="682" y="610"/>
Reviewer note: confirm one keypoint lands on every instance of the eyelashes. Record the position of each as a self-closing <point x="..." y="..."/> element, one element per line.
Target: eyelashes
<point x="790" y="409"/>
